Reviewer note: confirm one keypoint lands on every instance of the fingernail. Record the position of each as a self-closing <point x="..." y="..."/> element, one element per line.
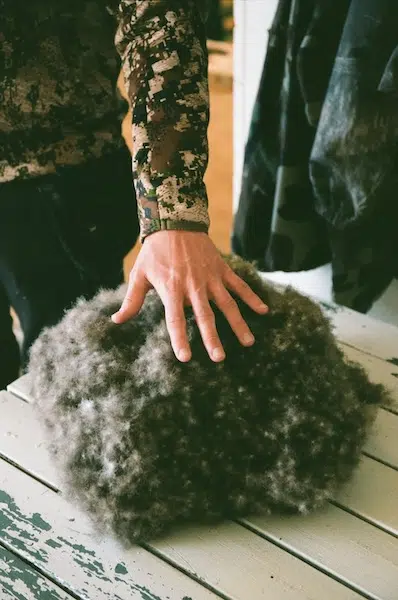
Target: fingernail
<point x="263" y="307"/>
<point x="248" y="338"/>
<point x="184" y="355"/>
<point x="218" y="354"/>
<point x="114" y="317"/>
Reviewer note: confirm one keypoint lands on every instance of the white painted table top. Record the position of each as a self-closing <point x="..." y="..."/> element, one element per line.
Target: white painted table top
<point x="49" y="549"/>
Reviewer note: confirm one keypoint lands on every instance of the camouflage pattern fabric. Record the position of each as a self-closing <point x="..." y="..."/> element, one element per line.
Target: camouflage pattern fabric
<point x="59" y="105"/>
<point x="320" y="171"/>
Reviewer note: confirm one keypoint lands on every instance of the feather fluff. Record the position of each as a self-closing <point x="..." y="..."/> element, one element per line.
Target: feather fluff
<point x="146" y="442"/>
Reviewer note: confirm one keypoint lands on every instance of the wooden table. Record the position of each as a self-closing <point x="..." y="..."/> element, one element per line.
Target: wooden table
<point x="49" y="549"/>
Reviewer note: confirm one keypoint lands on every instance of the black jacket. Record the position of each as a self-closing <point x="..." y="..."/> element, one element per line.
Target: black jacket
<point x="320" y="172"/>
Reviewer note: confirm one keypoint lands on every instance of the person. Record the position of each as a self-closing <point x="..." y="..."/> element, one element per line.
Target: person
<point x="320" y="169"/>
<point x="69" y="211"/>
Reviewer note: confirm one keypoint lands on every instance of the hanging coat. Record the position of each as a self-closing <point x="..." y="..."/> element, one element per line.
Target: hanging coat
<point x="320" y="178"/>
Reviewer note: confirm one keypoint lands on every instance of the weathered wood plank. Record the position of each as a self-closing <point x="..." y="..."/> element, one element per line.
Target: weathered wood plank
<point x="23" y="439"/>
<point x="20" y="388"/>
<point x="20" y="581"/>
<point x="21" y="419"/>
<point x="382" y="444"/>
<point x="364" y="333"/>
<point x="48" y="531"/>
<point x="245" y="566"/>
<point x="356" y="329"/>
<point x="379" y="371"/>
<point x="354" y="551"/>
<point x="20" y="423"/>
<point x="373" y="494"/>
<point x="200" y="554"/>
<point x="54" y="536"/>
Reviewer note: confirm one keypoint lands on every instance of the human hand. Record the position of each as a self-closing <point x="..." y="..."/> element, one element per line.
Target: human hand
<point x="185" y="268"/>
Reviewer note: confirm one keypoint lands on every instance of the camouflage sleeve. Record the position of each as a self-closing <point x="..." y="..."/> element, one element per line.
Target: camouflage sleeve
<point x="162" y="44"/>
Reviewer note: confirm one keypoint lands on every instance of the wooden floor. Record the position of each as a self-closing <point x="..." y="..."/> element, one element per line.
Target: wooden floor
<point x="219" y="172"/>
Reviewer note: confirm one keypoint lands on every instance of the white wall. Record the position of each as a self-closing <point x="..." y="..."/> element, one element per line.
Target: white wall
<point x="252" y="20"/>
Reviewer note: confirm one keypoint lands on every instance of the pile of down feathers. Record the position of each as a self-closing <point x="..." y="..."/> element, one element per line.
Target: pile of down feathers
<point x="145" y="442"/>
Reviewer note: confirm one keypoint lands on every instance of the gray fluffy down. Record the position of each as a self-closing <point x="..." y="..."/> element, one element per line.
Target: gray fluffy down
<point x="146" y="442"/>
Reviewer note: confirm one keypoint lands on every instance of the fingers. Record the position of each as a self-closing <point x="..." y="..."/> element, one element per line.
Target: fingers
<point x="134" y="299"/>
<point x="196" y="288"/>
<point x="244" y="291"/>
<point x="229" y="307"/>
<point x="176" y="325"/>
<point x="207" y="326"/>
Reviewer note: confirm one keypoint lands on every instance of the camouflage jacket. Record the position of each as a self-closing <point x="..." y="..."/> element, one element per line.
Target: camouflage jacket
<point x="58" y="101"/>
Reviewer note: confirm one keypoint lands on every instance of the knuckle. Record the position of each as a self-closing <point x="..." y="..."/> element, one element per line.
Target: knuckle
<point x="132" y="275"/>
<point x="212" y="341"/>
<point x="129" y="296"/>
<point x="238" y="325"/>
<point x="228" y="304"/>
<point x="214" y="279"/>
<point x="175" y="318"/>
<point x="173" y="282"/>
<point x="175" y="321"/>
<point x="205" y="316"/>
<point x="242" y="285"/>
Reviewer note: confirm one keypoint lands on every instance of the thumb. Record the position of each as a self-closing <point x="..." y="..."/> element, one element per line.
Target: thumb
<point x="134" y="299"/>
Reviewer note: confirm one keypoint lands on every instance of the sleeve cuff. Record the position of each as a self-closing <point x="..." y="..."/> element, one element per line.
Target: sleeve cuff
<point x="154" y="225"/>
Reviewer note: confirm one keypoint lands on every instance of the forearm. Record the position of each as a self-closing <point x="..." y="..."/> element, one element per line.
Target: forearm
<point x="163" y="49"/>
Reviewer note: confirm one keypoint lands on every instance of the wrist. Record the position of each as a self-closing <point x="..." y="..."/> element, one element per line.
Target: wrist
<point x="175" y="228"/>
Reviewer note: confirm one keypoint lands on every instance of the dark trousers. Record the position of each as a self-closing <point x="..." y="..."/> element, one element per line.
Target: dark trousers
<point x="61" y="237"/>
